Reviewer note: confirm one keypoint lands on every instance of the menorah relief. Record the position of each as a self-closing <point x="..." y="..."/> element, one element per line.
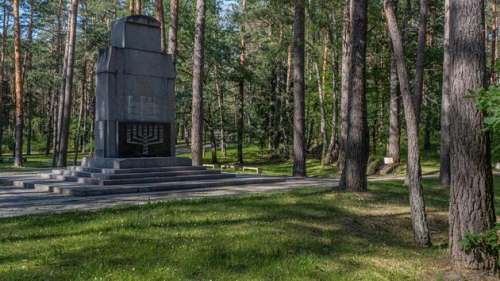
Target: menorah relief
<point x="146" y="136"/>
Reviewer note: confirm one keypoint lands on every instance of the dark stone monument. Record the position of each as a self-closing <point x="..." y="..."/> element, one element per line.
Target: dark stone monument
<point x="135" y="125"/>
<point x="135" y="115"/>
<point x="135" y="98"/>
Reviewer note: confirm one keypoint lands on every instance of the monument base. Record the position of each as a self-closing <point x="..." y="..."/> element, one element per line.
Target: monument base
<point x="130" y="163"/>
<point x="104" y="176"/>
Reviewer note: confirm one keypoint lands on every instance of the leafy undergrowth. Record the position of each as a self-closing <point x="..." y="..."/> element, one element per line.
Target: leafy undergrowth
<point x="308" y="234"/>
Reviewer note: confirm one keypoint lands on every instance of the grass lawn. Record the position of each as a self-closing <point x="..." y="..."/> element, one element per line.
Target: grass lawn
<point x="253" y="157"/>
<point x="308" y="234"/>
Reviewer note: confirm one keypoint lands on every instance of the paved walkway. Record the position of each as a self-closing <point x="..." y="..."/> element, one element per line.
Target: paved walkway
<point x="17" y="201"/>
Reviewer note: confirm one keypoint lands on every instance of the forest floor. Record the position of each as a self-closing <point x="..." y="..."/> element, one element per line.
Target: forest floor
<point x="306" y="234"/>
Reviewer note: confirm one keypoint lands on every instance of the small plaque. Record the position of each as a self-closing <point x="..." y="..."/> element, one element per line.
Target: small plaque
<point x="144" y="139"/>
<point x="388" y="160"/>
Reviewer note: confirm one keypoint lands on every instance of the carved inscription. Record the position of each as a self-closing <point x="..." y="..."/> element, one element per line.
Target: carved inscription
<point x="144" y="107"/>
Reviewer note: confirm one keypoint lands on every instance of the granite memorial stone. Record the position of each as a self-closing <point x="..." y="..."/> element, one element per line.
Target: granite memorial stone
<point x="135" y="99"/>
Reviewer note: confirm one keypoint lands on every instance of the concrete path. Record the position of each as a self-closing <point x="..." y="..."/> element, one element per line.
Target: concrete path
<point x="17" y="201"/>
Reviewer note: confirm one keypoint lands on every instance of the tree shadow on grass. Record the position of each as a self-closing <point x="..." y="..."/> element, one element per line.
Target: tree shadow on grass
<point x="308" y="234"/>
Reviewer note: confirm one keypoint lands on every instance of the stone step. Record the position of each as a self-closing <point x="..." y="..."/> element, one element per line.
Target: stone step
<point x="57" y="171"/>
<point x="86" y="169"/>
<point x="156" y="179"/>
<point x="168" y="186"/>
<point x="153" y="174"/>
<point x="30" y="184"/>
<point x="49" y="186"/>
<point x="65" y="178"/>
<point x="80" y="174"/>
<point x="152" y="170"/>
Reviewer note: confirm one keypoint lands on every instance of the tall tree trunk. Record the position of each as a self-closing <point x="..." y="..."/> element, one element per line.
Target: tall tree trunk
<point x="50" y="120"/>
<point x="345" y="84"/>
<point x="3" y="82"/>
<point x="299" y="156"/>
<point x="241" y="86"/>
<point x="417" y="204"/>
<point x="77" y="141"/>
<point x="197" y="106"/>
<point x="161" y="18"/>
<point x="211" y="128"/>
<point x="68" y="86"/>
<point x="284" y="121"/>
<point x="394" y="142"/>
<point x="78" y="136"/>
<point x="444" y="170"/>
<point x="356" y="148"/>
<point x="322" y="126"/>
<point x="220" y="103"/>
<point x="27" y="68"/>
<point x="471" y="194"/>
<point x="494" y="35"/>
<point x="172" y="30"/>
<point x="135" y="7"/>
<point x="18" y="154"/>
<point x="61" y="72"/>
<point x="332" y="153"/>
<point x="419" y="69"/>
<point x="5" y="27"/>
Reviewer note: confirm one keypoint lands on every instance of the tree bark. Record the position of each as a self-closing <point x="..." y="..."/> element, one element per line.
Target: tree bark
<point x="419" y="69"/>
<point x="394" y="142"/>
<point x="197" y="102"/>
<point x="284" y="121"/>
<point x="28" y="65"/>
<point x="417" y="204"/>
<point x="241" y="87"/>
<point x="345" y="84"/>
<point x="299" y="157"/>
<point x="135" y="7"/>
<point x="50" y="120"/>
<point x="18" y="154"/>
<point x="161" y="18"/>
<point x="68" y="86"/>
<point x="494" y="35"/>
<point x="321" y="92"/>
<point x="357" y="142"/>
<point x="5" y="27"/>
<point x="444" y="170"/>
<point x="3" y="86"/>
<point x="220" y="103"/>
<point x="60" y="61"/>
<point x="471" y="192"/>
<point x="78" y="136"/>
<point x="332" y="153"/>
<point x="172" y="30"/>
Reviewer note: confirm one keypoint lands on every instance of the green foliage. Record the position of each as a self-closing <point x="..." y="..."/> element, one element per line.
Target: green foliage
<point x="485" y="243"/>
<point x="489" y="102"/>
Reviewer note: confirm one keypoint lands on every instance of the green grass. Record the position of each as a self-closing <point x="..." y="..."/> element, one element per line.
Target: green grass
<point x="34" y="161"/>
<point x="253" y="157"/>
<point x="308" y="234"/>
